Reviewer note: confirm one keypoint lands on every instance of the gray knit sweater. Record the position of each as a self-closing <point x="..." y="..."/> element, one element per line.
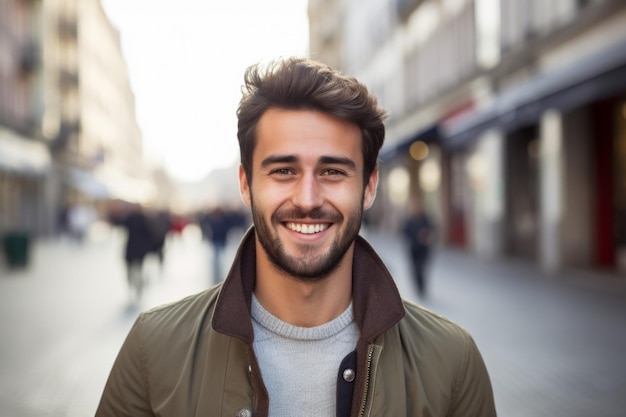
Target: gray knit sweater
<point x="300" y="364"/>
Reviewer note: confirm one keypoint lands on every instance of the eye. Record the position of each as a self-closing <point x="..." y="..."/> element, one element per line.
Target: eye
<point x="281" y="172"/>
<point x="332" y="172"/>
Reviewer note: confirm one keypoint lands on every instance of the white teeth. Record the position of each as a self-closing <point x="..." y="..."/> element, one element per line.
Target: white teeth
<point x="307" y="229"/>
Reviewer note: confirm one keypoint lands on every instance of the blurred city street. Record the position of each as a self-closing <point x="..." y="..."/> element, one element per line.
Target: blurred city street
<point x="553" y="344"/>
<point x="504" y="143"/>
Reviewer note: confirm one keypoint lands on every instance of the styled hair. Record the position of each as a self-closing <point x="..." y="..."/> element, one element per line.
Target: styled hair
<point x="303" y="84"/>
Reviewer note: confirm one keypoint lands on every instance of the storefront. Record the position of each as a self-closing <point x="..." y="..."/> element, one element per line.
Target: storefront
<point x="24" y="167"/>
<point x="564" y="164"/>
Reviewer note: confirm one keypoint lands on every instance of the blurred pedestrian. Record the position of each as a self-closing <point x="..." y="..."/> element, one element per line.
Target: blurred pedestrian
<point x="177" y="225"/>
<point x="139" y="241"/>
<point x="419" y="231"/>
<point x="159" y="224"/>
<point x="309" y="321"/>
<point x="218" y="225"/>
<point x="63" y="221"/>
<point x="80" y="217"/>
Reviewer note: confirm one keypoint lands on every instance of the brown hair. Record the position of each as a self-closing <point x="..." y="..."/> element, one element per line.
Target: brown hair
<point x="300" y="83"/>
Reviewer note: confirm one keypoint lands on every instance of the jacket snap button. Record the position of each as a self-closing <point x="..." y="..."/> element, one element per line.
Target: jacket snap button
<point x="348" y="375"/>
<point x="244" y="412"/>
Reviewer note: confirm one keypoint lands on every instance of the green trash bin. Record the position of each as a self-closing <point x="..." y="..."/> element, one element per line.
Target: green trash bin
<point x="16" y="248"/>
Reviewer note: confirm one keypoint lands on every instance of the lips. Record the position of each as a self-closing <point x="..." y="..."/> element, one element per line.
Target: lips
<point x="306" y="228"/>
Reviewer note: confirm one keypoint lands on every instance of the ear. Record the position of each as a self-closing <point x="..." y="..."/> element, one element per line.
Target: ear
<point x="244" y="187"/>
<point x="369" y="194"/>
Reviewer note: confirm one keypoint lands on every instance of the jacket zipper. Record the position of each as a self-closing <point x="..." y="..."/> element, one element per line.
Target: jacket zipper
<point x="370" y="354"/>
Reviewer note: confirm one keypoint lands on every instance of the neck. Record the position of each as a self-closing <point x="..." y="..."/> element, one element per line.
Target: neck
<point x="300" y="302"/>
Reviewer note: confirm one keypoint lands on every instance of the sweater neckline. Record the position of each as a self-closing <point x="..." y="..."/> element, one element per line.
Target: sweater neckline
<point x="281" y="328"/>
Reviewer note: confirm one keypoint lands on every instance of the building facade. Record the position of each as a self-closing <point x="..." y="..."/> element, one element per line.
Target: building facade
<point x="68" y="128"/>
<point x="25" y="159"/>
<point x="507" y="119"/>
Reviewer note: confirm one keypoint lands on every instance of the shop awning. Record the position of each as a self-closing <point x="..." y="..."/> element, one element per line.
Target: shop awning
<point x="126" y="187"/>
<point x="429" y="134"/>
<point x="87" y="183"/>
<point x="594" y="77"/>
<point x="109" y="183"/>
<point x="22" y="155"/>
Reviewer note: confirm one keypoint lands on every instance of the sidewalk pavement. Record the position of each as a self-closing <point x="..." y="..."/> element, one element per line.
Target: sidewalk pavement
<point x="64" y="318"/>
<point x="553" y="343"/>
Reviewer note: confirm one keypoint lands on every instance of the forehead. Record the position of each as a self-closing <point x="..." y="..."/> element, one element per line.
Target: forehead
<point x="307" y="133"/>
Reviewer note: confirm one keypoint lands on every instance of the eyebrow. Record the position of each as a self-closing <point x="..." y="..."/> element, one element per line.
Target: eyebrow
<point x="278" y="159"/>
<point x="324" y="160"/>
<point x="333" y="160"/>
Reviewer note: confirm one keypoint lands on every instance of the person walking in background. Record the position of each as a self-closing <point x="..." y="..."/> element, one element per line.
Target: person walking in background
<point x="139" y="241"/>
<point x="218" y="225"/>
<point x="63" y="221"/>
<point x="177" y="225"/>
<point x="80" y="217"/>
<point x="309" y="321"/>
<point x="419" y="231"/>
<point x="159" y="224"/>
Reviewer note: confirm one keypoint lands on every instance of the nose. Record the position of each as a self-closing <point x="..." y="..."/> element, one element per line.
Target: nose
<point x="307" y="194"/>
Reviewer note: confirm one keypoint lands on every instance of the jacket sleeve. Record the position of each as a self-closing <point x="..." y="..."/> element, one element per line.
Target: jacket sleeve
<point x="126" y="391"/>
<point x="473" y="394"/>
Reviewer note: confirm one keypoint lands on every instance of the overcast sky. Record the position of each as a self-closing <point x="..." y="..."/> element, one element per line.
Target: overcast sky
<point x="186" y="61"/>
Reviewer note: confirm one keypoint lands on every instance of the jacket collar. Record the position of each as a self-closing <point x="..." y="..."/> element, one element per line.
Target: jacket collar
<point x="375" y="298"/>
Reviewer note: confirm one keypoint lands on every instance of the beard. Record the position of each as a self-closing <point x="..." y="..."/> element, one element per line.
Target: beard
<point x="307" y="266"/>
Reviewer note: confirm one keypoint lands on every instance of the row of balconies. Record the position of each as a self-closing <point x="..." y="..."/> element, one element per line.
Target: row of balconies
<point x="440" y="64"/>
<point x="67" y="28"/>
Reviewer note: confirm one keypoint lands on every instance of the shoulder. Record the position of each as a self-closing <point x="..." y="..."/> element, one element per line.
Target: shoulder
<point x="177" y="319"/>
<point x="437" y="352"/>
<point x="437" y="345"/>
<point x="422" y="317"/>
<point x="169" y="344"/>
<point x="433" y="331"/>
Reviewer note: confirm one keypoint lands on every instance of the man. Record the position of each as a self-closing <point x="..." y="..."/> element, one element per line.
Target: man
<point x="139" y="241"/>
<point x="419" y="232"/>
<point x="218" y="223"/>
<point x="308" y="322"/>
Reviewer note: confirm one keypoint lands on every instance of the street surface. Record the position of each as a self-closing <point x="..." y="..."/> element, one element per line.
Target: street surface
<point x="554" y="344"/>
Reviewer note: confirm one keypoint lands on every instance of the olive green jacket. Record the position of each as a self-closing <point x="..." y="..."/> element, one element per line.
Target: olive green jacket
<point x="195" y="357"/>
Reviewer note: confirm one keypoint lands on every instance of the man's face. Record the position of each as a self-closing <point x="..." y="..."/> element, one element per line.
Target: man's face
<point x="306" y="192"/>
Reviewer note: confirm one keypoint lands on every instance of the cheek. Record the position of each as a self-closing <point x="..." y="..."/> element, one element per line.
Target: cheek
<point x="266" y="196"/>
<point x="347" y="200"/>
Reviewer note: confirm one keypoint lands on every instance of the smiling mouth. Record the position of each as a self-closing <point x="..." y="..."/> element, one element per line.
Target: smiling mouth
<point x="307" y="229"/>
